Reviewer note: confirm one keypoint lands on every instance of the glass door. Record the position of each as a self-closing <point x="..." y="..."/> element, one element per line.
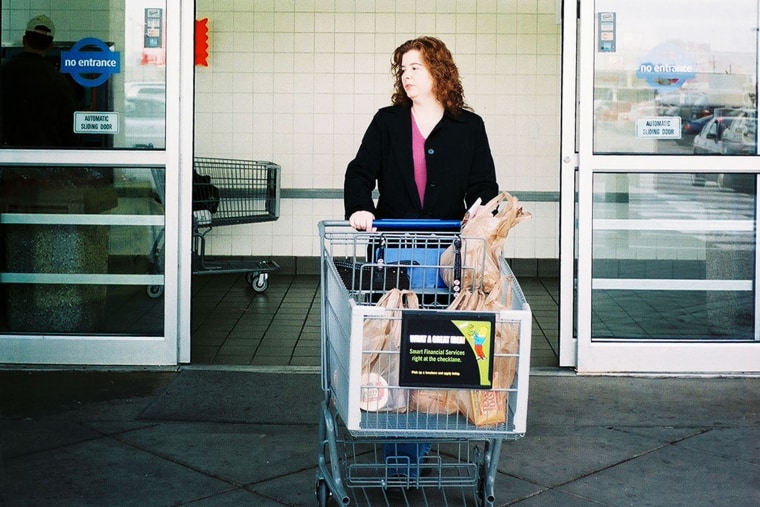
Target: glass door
<point x="89" y="179"/>
<point x="667" y="165"/>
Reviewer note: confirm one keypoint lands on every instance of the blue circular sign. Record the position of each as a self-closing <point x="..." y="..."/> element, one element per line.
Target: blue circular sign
<point x="666" y="67"/>
<point x="98" y="61"/>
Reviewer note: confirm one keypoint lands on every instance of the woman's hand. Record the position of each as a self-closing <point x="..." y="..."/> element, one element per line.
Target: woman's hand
<point x="362" y="220"/>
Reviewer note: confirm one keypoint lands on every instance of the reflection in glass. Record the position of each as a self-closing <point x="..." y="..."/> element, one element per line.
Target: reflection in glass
<point x="79" y="250"/>
<point x="134" y="95"/>
<point x="145" y="120"/>
<point x="673" y="257"/>
<point x="732" y="132"/>
<point x="648" y="69"/>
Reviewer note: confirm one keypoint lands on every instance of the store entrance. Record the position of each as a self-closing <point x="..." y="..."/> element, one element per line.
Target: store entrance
<point x="665" y="251"/>
<point x="89" y="179"/>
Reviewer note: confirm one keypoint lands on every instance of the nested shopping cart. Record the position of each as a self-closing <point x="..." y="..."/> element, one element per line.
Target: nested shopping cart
<point x="248" y="192"/>
<point x="373" y="394"/>
<point x="227" y="192"/>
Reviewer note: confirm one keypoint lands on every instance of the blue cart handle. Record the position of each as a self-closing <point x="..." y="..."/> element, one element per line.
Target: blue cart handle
<point x="416" y="224"/>
<point x="425" y="225"/>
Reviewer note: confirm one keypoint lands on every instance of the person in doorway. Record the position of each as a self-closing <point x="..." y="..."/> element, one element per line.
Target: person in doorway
<point x="429" y="156"/>
<point x="428" y="153"/>
<point x="37" y="103"/>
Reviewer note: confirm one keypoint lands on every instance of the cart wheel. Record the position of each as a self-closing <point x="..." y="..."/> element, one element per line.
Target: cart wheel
<point x="323" y="493"/>
<point x="155" y="291"/>
<point x="259" y="283"/>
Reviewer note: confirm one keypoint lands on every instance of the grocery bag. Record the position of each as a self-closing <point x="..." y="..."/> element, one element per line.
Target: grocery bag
<point x="487" y="229"/>
<point x="488" y="407"/>
<point x="381" y="342"/>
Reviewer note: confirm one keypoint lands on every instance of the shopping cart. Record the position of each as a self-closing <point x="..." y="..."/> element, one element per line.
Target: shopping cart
<point x="366" y="418"/>
<point x="227" y="192"/>
<point x="248" y="192"/>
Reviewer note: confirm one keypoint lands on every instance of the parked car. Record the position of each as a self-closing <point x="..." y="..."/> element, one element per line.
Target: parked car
<point x="709" y="140"/>
<point x="740" y="137"/>
<point x="692" y="104"/>
<point x="681" y="98"/>
<point x="732" y="135"/>
<point x="696" y="108"/>
<point x="692" y="128"/>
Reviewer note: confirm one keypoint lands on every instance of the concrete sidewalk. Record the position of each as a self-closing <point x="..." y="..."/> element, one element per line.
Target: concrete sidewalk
<point x="229" y="437"/>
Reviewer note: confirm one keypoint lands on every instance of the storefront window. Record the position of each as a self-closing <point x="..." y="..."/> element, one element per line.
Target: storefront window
<point x="81" y="246"/>
<point x="673" y="256"/>
<point x="82" y="250"/>
<point x="668" y="87"/>
<point x="89" y="78"/>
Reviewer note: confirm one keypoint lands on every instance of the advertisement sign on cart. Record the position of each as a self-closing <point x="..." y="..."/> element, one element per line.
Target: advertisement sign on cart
<point x="447" y="349"/>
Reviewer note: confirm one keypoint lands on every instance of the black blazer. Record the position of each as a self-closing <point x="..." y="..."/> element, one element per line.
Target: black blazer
<point x="460" y="167"/>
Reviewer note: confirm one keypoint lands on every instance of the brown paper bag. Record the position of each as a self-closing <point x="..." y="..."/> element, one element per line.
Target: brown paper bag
<point x="483" y="408"/>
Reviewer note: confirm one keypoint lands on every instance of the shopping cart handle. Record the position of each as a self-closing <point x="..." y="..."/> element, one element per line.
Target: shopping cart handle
<point x="416" y="224"/>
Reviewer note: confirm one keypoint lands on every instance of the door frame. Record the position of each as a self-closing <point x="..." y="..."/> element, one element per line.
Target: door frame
<point x="568" y="343"/>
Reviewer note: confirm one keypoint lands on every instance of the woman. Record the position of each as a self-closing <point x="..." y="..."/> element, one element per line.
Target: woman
<point x="428" y="153"/>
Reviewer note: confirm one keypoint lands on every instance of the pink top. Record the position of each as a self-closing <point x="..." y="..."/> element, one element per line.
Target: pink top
<point x="418" y="155"/>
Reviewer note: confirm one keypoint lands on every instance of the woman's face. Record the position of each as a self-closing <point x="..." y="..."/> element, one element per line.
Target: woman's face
<point x="415" y="77"/>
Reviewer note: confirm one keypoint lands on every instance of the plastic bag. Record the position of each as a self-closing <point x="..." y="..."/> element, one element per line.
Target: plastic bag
<point x="381" y="342"/>
<point x="487" y="407"/>
<point x="205" y="194"/>
<point x="491" y="224"/>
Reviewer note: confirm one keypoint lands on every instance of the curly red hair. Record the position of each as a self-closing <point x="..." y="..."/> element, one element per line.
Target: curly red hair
<point x="447" y="85"/>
